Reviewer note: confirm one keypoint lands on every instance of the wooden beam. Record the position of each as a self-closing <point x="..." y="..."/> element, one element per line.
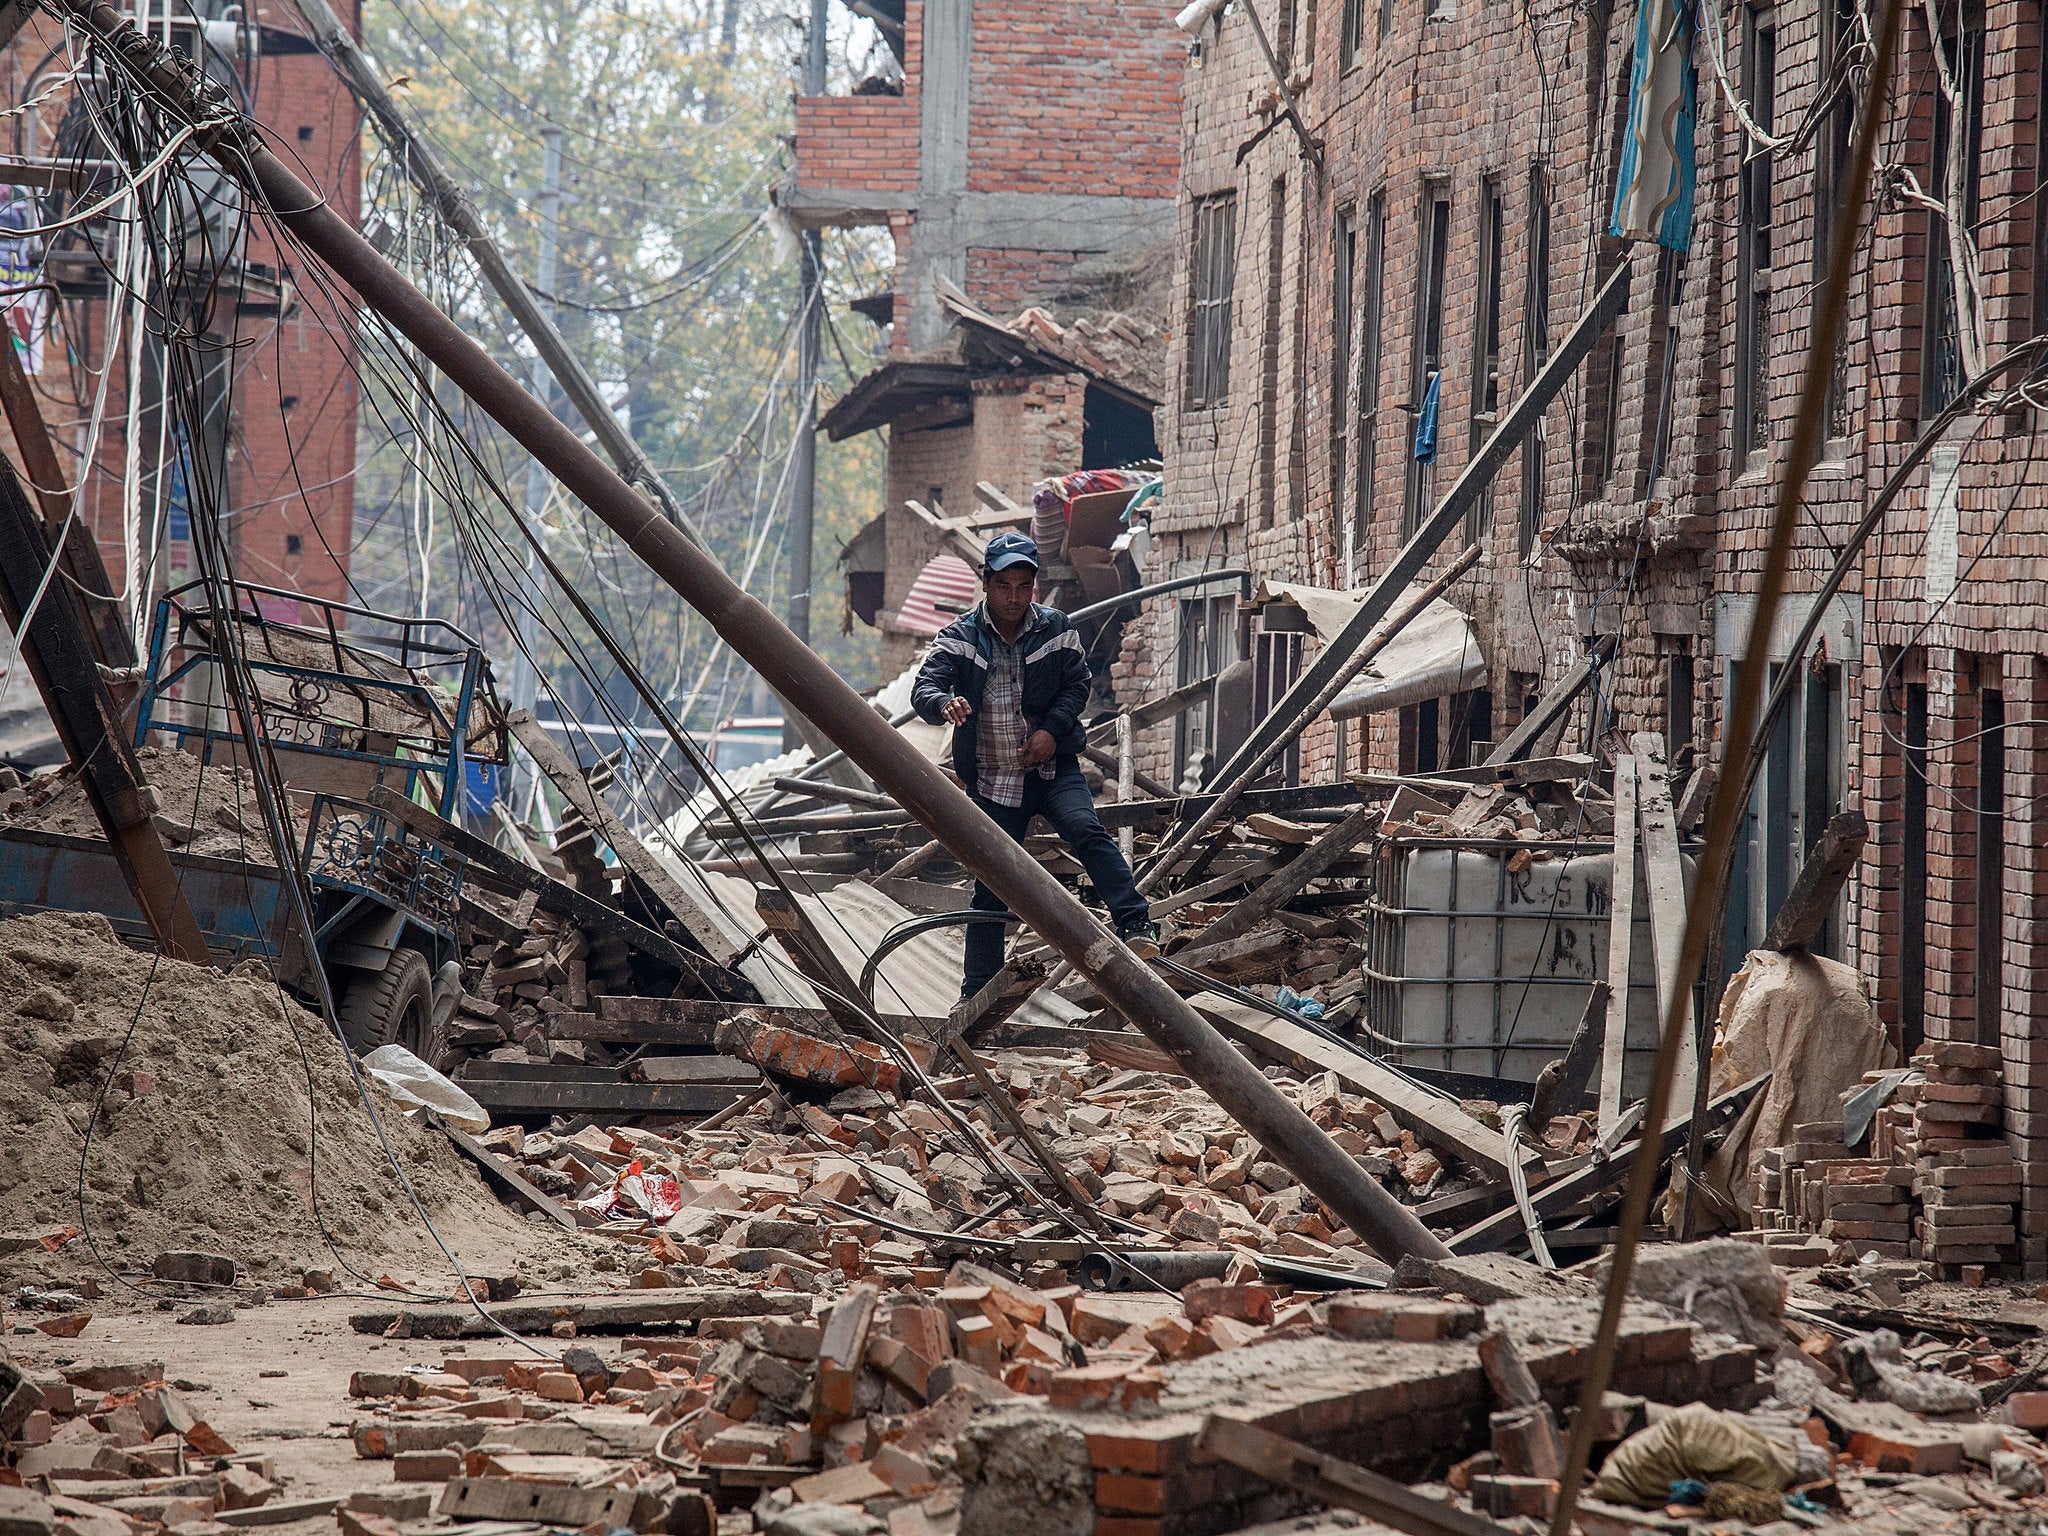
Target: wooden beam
<point x="1007" y="991"/>
<point x="1811" y="901"/>
<point x="500" y="1174"/>
<point x="1621" y="932"/>
<point x="57" y="646"/>
<point x="1439" y="1122"/>
<point x="791" y="927"/>
<point x="635" y="855"/>
<point x="1311" y="863"/>
<point x="502" y="871"/>
<point x="1664" y="875"/>
<point x="1588" y="1190"/>
<point x="1551" y="707"/>
<point x="1290" y="1464"/>
<point x="578" y="1096"/>
<point x="1561" y="1086"/>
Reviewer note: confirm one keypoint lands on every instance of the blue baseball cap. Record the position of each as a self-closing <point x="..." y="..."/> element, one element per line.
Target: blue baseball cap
<point x="1006" y="550"/>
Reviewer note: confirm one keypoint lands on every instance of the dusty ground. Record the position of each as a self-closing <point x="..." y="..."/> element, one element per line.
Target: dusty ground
<point x="274" y="1380"/>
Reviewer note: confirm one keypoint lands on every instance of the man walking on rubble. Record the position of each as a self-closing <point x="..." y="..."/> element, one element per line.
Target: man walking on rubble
<point x="1011" y="678"/>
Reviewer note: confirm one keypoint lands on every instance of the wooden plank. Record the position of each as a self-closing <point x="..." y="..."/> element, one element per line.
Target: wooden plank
<point x="1277" y="802"/>
<point x="1561" y="1086"/>
<point x="691" y="1020"/>
<point x="575" y="1096"/>
<point x="1007" y="991"/>
<point x="551" y="895"/>
<point x="1311" y="863"/>
<point x="1230" y="880"/>
<point x="1439" y="1122"/>
<point x="1552" y="707"/>
<point x="283" y="1512"/>
<point x="1599" y="1179"/>
<point x="1290" y="1464"/>
<point x="1811" y="901"/>
<point x="1664" y="875"/>
<point x="635" y="855"/>
<point x="1535" y="770"/>
<point x="721" y="1070"/>
<point x="623" y="1313"/>
<point x="1621" y="929"/>
<point x="503" y="1175"/>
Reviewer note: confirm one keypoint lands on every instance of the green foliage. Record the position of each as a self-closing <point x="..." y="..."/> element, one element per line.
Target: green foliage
<point x="671" y="287"/>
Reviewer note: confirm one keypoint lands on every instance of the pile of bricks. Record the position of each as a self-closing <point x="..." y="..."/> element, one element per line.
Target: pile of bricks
<point x="1940" y="1183"/>
<point x="513" y="987"/>
<point x="1964" y="1175"/>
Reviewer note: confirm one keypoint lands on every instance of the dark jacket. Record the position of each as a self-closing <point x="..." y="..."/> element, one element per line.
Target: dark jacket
<point x="1056" y="679"/>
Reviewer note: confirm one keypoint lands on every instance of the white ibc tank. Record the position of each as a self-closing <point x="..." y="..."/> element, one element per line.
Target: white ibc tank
<point x="1497" y="966"/>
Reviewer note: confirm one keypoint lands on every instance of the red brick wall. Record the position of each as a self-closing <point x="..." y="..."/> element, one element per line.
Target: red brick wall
<point x="1074" y="96"/>
<point x="865" y="143"/>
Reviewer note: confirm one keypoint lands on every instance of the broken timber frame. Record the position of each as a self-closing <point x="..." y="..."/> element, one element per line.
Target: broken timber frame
<point x="1329" y="1480"/>
<point x="56" y="645"/>
<point x="634" y="856"/>
<point x="1550" y="709"/>
<point x="1351" y="664"/>
<point x="1285" y="719"/>
<point x="758" y="636"/>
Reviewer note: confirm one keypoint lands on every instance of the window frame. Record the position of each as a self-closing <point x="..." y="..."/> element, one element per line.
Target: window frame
<point x="1212" y="295"/>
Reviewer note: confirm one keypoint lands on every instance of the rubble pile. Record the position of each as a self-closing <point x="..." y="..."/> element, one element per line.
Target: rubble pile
<point x="212" y="809"/>
<point x="206" y="1096"/>
<point x="1940" y="1183"/>
<point x="865" y="1183"/>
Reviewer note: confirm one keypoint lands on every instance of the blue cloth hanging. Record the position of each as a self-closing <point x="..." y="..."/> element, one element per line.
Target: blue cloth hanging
<point x="1425" y="421"/>
<point x="1653" y="195"/>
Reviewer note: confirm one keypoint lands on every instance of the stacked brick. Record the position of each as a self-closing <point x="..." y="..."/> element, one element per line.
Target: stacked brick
<point x="1964" y="1175"/>
<point x="1940" y="1183"/>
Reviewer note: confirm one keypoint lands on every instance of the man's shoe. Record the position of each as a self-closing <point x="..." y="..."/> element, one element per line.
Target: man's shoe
<point x="1141" y="939"/>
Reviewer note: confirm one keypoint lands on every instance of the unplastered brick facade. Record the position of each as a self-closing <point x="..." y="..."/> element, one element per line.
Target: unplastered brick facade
<point x="1645" y="511"/>
<point x="1023" y="140"/>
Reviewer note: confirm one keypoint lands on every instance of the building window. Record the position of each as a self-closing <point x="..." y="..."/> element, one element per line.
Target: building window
<point x="1215" y="277"/>
<point x="1535" y="344"/>
<point x="1800" y="789"/>
<point x="1942" y="375"/>
<point x="1678" y="705"/>
<point x="1840" y="36"/>
<point x="1269" y="353"/>
<point x="1913" y="867"/>
<point x="1753" y="248"/>
<point x="1351" y="42"/>
<point x="1486" y="346"/>
<point x="1990" y="865"/>
<point x="1275" y="666"/>
<point x="1386" y="18"/>
<point x="1343" y="290"/>
<point x="1664" y="360"/>
<point x="1425" y="372"/>
<point x="1371" y="307"/>
<point x="1207" y="644"/>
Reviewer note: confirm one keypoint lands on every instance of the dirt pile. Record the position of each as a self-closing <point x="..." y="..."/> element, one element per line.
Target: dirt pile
<point x="207" y="808"/>
<point x="206" y="1137"/>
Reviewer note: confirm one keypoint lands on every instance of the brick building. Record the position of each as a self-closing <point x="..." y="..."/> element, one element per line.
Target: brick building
<point x="276" y="428"/>
<point x="1453" y="233"/>
<point x="1025" y="157"/>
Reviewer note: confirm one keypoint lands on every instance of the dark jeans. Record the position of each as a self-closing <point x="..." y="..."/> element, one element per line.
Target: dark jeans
<point x="1064" y="801"/>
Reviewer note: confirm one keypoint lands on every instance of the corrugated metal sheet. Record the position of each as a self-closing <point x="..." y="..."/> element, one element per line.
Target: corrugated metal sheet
<point x="921" y="978"/>
<point x="946" y="578"/>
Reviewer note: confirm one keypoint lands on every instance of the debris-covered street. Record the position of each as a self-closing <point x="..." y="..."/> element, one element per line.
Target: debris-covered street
<point x="1023" y="768"/>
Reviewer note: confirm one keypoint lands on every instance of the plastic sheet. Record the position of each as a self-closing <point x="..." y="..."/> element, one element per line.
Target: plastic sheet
<point x="415" y="1085"/>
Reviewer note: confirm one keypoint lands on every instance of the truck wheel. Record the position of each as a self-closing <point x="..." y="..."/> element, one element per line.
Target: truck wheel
<point x="394" y="1006"/>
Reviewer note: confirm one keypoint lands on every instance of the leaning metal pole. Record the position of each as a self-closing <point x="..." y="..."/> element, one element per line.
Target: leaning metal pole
<point x="1381" y="1222"/>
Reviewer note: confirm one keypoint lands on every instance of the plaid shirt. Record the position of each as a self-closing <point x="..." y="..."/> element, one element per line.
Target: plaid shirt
<point x="1003" y="730"/>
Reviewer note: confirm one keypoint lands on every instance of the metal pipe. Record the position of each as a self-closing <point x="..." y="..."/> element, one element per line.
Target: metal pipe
<point x="1726" y="809"/>
<point x="753" y="631"/>
<point x="1160" y="589"/>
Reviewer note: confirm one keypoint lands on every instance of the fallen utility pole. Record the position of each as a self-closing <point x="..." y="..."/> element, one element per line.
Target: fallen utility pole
<point x="1380" y="1221"/>
<point x="1287" y="717"/>
<point x="55" y="644"/>
<point x="423" y="164"/>
<point x="78" y="554"/>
